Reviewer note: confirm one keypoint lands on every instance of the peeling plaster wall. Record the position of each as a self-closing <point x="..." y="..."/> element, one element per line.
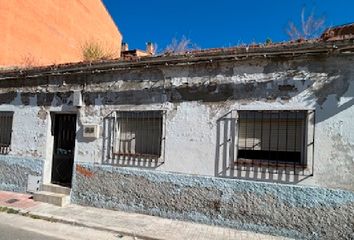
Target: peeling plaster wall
<point x="291" y="211"/>
<point x="29" y="128"/>
<point x="31" y="141"/>
<point x="195" y="98"/>
<point x="28" y="145"/>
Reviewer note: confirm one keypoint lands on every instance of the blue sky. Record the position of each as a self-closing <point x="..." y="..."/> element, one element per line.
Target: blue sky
<point x="217" y="23"/>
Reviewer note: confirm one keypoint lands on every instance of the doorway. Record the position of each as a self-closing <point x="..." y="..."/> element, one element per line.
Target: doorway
<point x="64" y="132"/>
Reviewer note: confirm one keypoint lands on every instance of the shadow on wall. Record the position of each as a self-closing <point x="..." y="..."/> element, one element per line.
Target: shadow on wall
<point x="326" y="92"/>
<point x="227" y="164"/>
<point x="110" y="158"/>
<point x="339" y="83"/>
<point x="336" y="83"/>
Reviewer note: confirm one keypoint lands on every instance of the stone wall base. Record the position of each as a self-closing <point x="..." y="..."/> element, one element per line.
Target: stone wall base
<point x="14" y="172"/>
<point x="287" y="210"/>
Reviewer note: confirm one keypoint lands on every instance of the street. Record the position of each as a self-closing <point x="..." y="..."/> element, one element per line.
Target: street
<point x="16" y="227"/>
<point x="8" y="232"/>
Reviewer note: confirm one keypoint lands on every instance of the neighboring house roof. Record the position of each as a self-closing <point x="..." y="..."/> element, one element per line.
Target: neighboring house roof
<point x="45" y="32"/>
<point x="345" y="31"/>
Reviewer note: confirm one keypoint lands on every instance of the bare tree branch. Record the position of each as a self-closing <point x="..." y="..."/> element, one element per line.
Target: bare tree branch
<point x="310" y="27"/>
<point x="180" y="46"/>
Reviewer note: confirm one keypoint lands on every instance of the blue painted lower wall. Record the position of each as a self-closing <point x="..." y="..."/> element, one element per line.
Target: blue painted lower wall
<point x="292" y="211"/>
<point x="14" y="172"/>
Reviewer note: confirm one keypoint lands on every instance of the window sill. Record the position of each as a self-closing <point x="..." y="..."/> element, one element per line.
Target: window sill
<point x="4" y="149"/>
<point x="137" y="157"/>
<point x="134" y="160"/>
<point x="271" y="164"/>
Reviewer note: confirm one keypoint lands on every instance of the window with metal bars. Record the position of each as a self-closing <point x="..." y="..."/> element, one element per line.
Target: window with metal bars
<point x="5" y="131"/>
<point x="272" y="138"/>
<point x="138" y="134"/>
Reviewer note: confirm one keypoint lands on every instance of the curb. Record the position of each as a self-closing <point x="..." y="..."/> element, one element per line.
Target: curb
<point x="51" y="218"/>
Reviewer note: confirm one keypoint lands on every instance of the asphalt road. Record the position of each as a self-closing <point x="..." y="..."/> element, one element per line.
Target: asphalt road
<point x="16" y="227"/>
<point x="13" y="233"/>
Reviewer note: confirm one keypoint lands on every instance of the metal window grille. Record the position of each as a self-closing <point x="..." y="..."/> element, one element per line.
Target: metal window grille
<point x="5" y="131"/>
<point x="138" y="135"/>
<point x="272" y="139"/>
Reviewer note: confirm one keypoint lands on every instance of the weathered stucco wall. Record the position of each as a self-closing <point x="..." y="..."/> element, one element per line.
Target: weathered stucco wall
<point x="14" y="172"/>
<point x="195" y="98"/>
<point x="291" y="211"/>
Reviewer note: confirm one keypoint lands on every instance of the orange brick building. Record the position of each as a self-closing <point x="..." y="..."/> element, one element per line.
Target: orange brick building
<point x="44" y="32"/>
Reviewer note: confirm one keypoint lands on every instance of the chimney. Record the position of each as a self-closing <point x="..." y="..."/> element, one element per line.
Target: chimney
<point x="125" y="47"/>
<point x="150" y="48"/>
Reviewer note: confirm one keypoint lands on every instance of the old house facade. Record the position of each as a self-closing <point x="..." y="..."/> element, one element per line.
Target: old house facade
<point x="251" y="137"/>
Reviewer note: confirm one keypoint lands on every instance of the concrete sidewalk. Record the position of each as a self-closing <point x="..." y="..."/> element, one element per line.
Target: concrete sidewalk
<point x="131" y="224"/>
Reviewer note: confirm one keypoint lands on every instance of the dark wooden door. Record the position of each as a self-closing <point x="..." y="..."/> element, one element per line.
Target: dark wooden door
<point x="64" y="145"/>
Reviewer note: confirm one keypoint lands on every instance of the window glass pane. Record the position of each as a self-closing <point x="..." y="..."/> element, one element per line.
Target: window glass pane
<point x="139" y="133"/>
<point x="271" y="135"/>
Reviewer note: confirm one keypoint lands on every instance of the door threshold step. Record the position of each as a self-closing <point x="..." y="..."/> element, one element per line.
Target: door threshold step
<point x="55" y="188"/>
<point x="57" y="199"/>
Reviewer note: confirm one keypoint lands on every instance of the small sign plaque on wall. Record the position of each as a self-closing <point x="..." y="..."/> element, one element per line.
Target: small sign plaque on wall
<point x="90" y="131"/>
